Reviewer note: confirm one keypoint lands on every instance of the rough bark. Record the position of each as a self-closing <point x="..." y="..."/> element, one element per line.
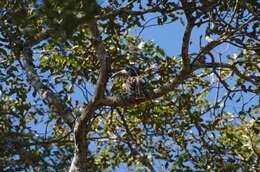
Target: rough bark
<point x="43" y="90"/>
<point x="82" y="126"/>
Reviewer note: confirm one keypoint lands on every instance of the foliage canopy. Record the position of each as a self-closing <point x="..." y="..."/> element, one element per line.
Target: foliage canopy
<point x="63" y="103"/>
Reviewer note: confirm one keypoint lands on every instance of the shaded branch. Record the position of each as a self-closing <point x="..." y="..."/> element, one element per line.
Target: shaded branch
<point x="83" y="124"/>
<point x="106" y="61"/>
<point x="185" y="45"/>
<point x="46" y="93"/>
<point x="187" y="35"/>
<point x="156" y="93"/>
<point x="117" y="101"/>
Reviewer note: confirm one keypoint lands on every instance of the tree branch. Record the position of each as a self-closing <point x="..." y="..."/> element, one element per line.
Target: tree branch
<point x="106" y="61"/>
<point x="187" y="35"/>
<point x="82" y="125"/>
<point x="185" y="45"/>
<point x="114" y="101"/>
<point x="53" y="99"/>
<point x="117" y="101"/>
<point x="222" y="38"/>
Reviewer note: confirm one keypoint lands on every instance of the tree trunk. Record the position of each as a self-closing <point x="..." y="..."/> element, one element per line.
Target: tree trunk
<point x="79" y="162"/>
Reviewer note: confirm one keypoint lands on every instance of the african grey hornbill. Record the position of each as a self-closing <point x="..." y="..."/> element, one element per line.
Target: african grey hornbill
<point x="134" y="81"/>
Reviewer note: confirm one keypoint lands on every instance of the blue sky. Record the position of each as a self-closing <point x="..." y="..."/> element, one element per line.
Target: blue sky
<point x="169" y="37"/>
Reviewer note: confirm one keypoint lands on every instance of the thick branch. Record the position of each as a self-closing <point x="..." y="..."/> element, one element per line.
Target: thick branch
<point x="53" y="100"/>
<point x="82" y="126"/>
<point x="79" y="162"/>
<point x="115" y="101"/>
<point x="156" y="93"/>
<point x="187" y="35"/>
<point x="185" y="45"/>
<point x="105" y="60"/>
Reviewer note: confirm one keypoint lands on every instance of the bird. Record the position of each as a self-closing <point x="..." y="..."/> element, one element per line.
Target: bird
<point x="134" y="81"/>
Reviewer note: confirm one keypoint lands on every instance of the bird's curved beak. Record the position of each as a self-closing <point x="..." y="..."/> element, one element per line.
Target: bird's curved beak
<point x="120" y="72"/>
<point x="123" y="71"/>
